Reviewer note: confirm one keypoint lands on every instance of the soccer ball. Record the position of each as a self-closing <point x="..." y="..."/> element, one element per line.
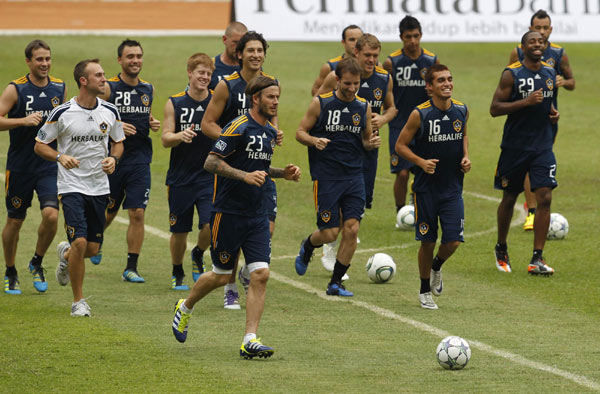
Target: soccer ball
<point x="405" y="219"/>
<point x="559" y="227"/>
<point x="380" y="268"/>
<point x="453" y="353"/>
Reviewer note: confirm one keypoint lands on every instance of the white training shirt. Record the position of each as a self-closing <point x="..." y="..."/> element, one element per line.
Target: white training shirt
<point x="83" y="133"/>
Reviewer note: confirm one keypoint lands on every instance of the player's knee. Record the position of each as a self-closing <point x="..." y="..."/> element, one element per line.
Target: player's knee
<point x="543" y="197"/>
<point x="452" y="245"/>
<point x="329" y="235"/>
<point x="50" y="216"/>
<point x="402" y="176"/>
<point x="13" y="224"/>
<point x="351" y="228"/>
<point x="427" y="246"/>
<point x="509" y="198"/>
<point x="260" y="276"/>
<point x="79" y="244"/>
<point x="92" y="249"/>
<point x="136" y="216"/>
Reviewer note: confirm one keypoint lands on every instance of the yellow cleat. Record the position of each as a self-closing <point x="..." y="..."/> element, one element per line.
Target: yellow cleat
<point x="528" y="225"/>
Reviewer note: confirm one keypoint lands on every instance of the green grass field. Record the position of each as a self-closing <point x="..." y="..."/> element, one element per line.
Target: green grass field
<point x="527" y="334"/>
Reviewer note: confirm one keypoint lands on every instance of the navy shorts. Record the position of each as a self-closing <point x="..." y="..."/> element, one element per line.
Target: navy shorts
<point x="450" y="211"/>
<point x="397" y="163"/>
<point x="84" y="216"/>
<point x="271" y="199"/>
<point x="183" y="199"/>
<point x="129" y="183"/>
<point x="370" y="173"/>
<point x="331" y="197"/>
<point x="19" y="192"/>
<point x="513" y="165"/>
<point x="230" y="233"/>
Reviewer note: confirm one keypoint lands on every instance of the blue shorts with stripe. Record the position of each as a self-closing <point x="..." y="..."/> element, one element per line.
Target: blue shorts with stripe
<point x="84" y="216"/>
<point x="271" y="198"/>
<point x="129" y="185"/>
<point x="513" y="165"/>
<point x="449" y="210"/>
<point x="231" y="233"/>
<point x="183" y="199"/>
<point x="332" y="197"/>
<point x="19" y="192"/>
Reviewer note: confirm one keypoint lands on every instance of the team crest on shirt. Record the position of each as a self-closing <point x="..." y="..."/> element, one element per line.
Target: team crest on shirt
<point x="55" y="101"/>
<point x="16" y="202"/>
<point x="423" y="71"/>
<point x="224" y="257"/>
<point x="457" y="124"/>
<point x="550" y="62"/>
<point x="172" y="219"/>
<point x="145" y="100"/>
<point x="550" y="84"/>
<point x="377" y="93"/>
<point x="326" y="216"/>
<point x="504" y="182"/>
<point x="423" y="228"/>
<point x="221" y="145"/>
<point x="103" y="127"/>
<point x="356" y="119"/>
<point x="394" y="159"/>
<point x="42" y="135"/>
<point x="111" y="203"/>
<point x="70" y="232"/>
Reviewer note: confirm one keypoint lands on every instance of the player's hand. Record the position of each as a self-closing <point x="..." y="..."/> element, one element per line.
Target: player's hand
<point x="321" y="143"/>
<point x="429" y="165"/>
<point x="187" y="135"/>
<point x="109" y="164"/>
<point x="128" y="129"/>
<point x="292" y="173"/>
<point x="560" y="81"/>
<point x="255" y="178"/>
<point x="465" y="165"/>
<point x="154" y="123"/>
<point x="554" y="115"/>
<point x="376" y="121"/>
<point x="536" y="97"/>
<point x="374" y="141"/>
<point x="69" y="162"/>
<point x="279" y="139"/>
<point x="32" y="119"/>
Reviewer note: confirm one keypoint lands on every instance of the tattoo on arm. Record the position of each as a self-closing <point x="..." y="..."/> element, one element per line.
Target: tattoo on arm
<point x="216" y="165"/>
<point x="275" y="172"/>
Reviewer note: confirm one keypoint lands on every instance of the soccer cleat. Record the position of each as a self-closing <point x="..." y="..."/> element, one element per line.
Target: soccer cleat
<point x="97" y="258"/>
<point x="39" y="280"/>
<point x="177" y="283"/>
<point x="231" y="300"/>
<point x="502" y="261"/>
<point x="62" y="269"/>
<point x="528" y="225"/>
<point x="11" y="285"/>
<point x="80" y="309"/>
<point x="338" y="289"/>
<point x="180" y="322"/>
<point x="244" y="277"/>
<point x="427" y="301"/>
<point x="254" y="348"/>
<point x="329" y="255"/>
<point x="538" y="266"/>
<point x="132" y="276"/>
<point x="302" y="259"/>
<point x="197" y="267"/>
<point x="436" y="283"/>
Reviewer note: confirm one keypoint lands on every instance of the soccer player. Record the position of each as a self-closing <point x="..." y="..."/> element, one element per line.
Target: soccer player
<point x="350" y="34"/>
<point x="337" y="128"/>
<point x="555" y="56"/>
<point x="28" y="101"/>
<point x="407" y="67"/>
<point x="376" y="88"/>
<point x="82" y="126"/>
<point x="229" y="101"/>
<point x="226" y="63"/>
<point x="525" y="93"/>
<point x="130" y="183"/>
<point x="189" y="185"/>
<point x="241" y="158"/>
<point x="440" y="153"/>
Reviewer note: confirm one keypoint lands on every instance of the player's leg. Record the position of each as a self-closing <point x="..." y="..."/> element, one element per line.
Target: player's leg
<point x="530" y="200"/>
<point x="181" y="217"/>
<point x="425" y="258"/>
<point x="426" y="230"/>
<point x="204" y="194"/>
<point x="10" y="239"/>
<point x="400" y="188"/>
<point x="117" y="194"/>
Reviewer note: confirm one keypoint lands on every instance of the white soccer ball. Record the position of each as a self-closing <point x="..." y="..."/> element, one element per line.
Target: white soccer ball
<point x="380" y="268"/>
<point x="453" y="353"/>
<point x="405" y="219"/>
<point x="559" y="227"/>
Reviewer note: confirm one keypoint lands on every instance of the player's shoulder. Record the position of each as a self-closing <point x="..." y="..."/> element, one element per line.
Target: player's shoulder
<point x="425" y="105"/>
<point x="114" y="79"/>
<point x="56" y="80"/>
<point x="381" y="71"/>
<point x="549" y="67"/>
<point x="515" y="65"/>
<point x="326" y="95"/>
<point x="232" y="77"/>
<point x="58" y="111"/>
<point x="555" y="46"/>
<point x="144" y="82"/>
<point x="180" y="94"/>
<point x="20" y="81"/>
<point x="335" y="59"/>
<point x="361" y="100"/>
<point x="428" y="53"/>
<point x="237" y="126"/>
<point x="458" y="103"/>
<point x="108" y="107"/>
<point x="264" y="74"/>
<point x="396" y="53"/>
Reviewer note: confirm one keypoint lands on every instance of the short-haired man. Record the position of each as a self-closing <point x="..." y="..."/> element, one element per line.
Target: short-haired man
<point x="337" y="128"/>
<point x="438" y="128"/>
<point x="555" y="56"/>
<point x="188" y="184"/>
<point x="130" y="183"/>
<point x="526" y="94"/>
<point x="376" y="88"/>
<point x="241" y="159"/>
<point x="229" y="101"/>
<point x="82" y="126"/>
<point x="350" y="34"/>
<point x="28" y="101"/>
<point x="407" y="67"/>
<point x="226" y="63"/>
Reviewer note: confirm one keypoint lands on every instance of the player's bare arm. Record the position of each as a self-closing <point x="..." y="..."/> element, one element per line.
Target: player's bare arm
<point x="329" y="84"/>
<point x="307" y="123"/>
<point x="554" y="114"/>
<point x="500" y="102"/>
<point x="406" y="136"/>
<point x="370" y="140"/>
<point x="210" y="126"/>
<point x="216" y="165"/>
<point x="465" y="163"/>
<point x="154" y="123"/>
<point x="109" y="164"/>
<point x="514" y="56"/>
<point x="46" y="152"/>
<point x="389" y="109"/>
<point x="323" y="72"/>
<point x="8" y="99"/>
<point x="169" y="138"/>
<point x="566" y="80"/>
<point x="290" y="172"/>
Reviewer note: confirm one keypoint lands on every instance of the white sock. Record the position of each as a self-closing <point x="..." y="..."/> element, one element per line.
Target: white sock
<point x="249" y="337"/>
<point x="230" y="286"/>
<point x="184" y="308"/>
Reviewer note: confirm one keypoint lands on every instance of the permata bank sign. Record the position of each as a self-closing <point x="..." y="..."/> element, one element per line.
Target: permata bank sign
<point x="441" y="20"/>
